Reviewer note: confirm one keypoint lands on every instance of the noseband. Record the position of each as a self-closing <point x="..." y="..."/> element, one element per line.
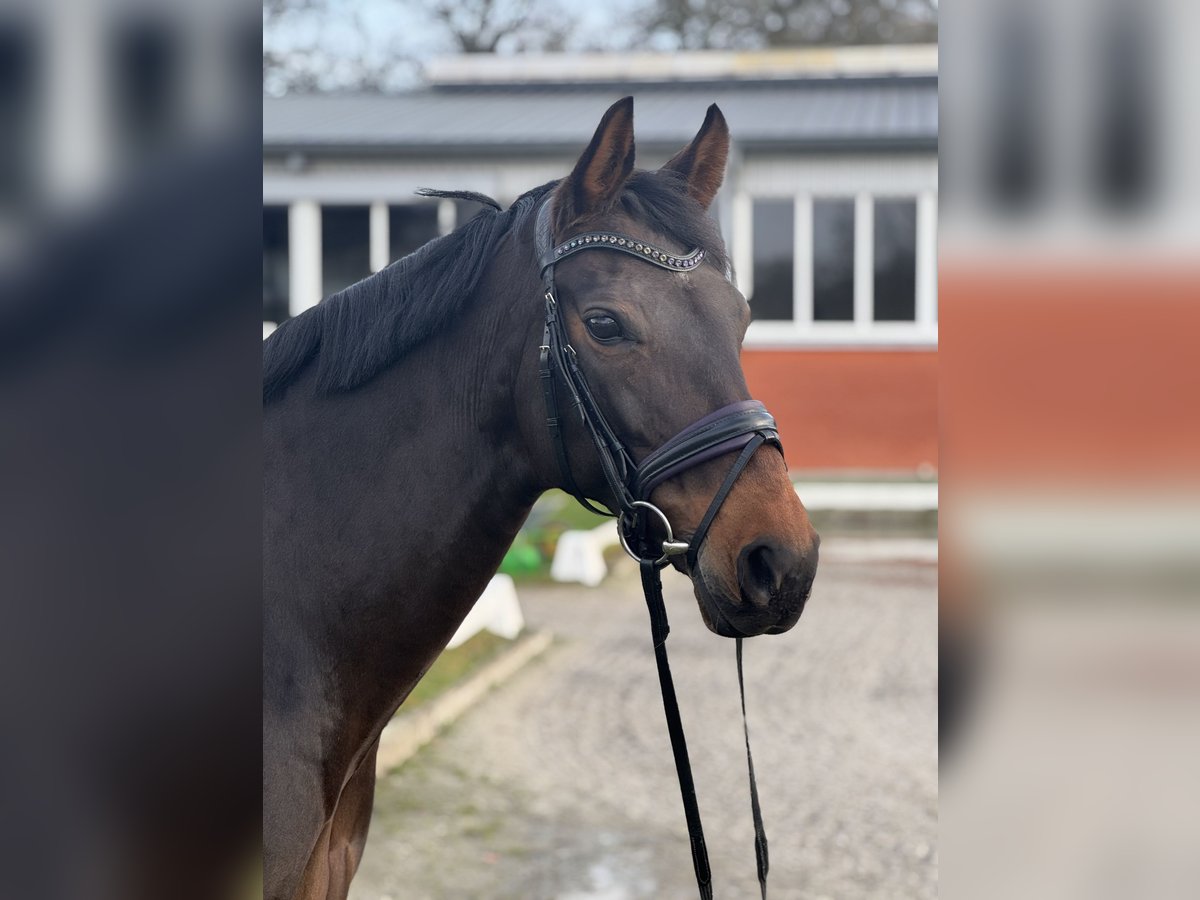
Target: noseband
<point x="741" y="427"/>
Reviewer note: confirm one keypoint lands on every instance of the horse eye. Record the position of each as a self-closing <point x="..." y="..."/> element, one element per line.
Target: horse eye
<point x="603" y="328"/>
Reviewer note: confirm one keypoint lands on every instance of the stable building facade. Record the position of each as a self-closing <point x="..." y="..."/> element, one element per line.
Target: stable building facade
<point x="829" y="208"/>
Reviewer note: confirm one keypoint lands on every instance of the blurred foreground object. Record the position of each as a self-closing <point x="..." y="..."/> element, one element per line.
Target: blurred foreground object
<point x="497" y="610"/>
<point x="579" y="555"/>
<point x="1070" y="295"/>
<point x="130" y="656"/>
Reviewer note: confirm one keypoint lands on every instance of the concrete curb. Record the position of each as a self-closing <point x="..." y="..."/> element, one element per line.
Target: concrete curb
<point x="884" y="496"/>
<point x="854" y="549"/>
<point x="407" y="734"/>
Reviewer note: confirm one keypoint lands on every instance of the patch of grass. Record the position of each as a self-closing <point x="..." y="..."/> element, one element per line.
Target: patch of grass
<point x="569" y="514"/>
<point x="455" y="665"/>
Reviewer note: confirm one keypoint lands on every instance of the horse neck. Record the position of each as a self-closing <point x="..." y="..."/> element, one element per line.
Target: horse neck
<point x="390" y="507"/>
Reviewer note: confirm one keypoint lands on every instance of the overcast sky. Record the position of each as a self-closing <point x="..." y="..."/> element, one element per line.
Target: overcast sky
<point x="387" y="31"/>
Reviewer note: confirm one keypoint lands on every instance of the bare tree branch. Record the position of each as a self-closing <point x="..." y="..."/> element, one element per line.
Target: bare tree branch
<point x="311" y="45"/>
<point x="760" y="24"/>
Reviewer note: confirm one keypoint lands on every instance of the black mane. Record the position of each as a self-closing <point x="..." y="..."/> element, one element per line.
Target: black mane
<point x="360" y="331"/>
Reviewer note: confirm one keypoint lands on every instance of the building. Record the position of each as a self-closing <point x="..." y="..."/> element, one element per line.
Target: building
<point x="829" y="208"/>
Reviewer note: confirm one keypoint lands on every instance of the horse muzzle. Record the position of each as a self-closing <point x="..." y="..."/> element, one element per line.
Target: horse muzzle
<point x="774" y="580"/>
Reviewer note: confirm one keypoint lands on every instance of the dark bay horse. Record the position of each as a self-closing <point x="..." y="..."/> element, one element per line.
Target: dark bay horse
<point x="405" y="442"/>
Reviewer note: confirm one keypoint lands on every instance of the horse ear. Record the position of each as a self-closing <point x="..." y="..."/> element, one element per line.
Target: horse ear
<point x="702" y="162"/>
<point x="603" y="168"/>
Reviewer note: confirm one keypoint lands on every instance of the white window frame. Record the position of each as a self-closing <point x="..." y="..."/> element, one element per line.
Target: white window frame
<point x="864" y="181"/>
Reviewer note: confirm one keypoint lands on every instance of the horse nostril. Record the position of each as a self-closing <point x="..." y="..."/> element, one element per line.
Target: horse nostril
<point x="758" y="566"/>
<point x="759" y="574"/>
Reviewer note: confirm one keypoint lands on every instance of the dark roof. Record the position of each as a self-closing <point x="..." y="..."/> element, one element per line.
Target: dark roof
<point x="848" y="112"/>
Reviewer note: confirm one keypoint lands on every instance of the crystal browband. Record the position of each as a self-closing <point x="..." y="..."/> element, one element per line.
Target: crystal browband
<point x="639" y="249"/>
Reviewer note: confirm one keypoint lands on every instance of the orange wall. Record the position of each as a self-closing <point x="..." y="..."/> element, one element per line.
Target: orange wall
<point x="1069" y="371"/>
<point x="850" y="409"/>
<point x="1066" y="372"/>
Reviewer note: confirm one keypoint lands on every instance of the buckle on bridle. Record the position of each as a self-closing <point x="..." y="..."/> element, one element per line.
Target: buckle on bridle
<point x="670" y="546"/>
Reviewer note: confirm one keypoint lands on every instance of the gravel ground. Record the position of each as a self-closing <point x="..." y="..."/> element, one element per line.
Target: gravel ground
<point x="561" y="784"/>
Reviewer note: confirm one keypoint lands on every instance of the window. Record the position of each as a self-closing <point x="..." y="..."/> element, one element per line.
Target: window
<point x="774" y="259"/>
<point x="465" y="210"/>
<point x="345" y="246"/>
<point x="1016" y="159"/>
<point x="275" y="263"/>
<point x="411" y="226"/>
<point x="147" y="83"/>
<point x="841" y="268"/>
<point x="895" y="252"/>
<point x="833" y="260"/>
<point x="19" y="89"/>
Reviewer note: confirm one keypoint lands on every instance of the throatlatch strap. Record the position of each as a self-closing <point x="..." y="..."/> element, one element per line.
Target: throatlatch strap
<point x="552" y="360"/>
<point x="546" y="374"/>
<point x="659" y="629"/>
<point x="760" y="833"/>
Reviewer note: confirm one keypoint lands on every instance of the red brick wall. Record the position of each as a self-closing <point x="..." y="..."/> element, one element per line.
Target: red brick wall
<point x="1069" y="372"/>
<point x="850" y="409"/>
<point x="1045" y="373"/>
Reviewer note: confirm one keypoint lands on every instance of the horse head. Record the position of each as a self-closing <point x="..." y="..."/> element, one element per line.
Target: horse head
<point x="659" y="347"/>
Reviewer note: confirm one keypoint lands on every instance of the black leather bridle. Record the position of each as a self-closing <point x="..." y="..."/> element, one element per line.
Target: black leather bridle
<point x="740" y="427"/>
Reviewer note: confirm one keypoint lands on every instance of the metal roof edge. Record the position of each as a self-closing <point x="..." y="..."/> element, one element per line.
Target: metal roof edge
<point x="534" y="87"/>
<point x="633" y="85"/>
<point x="328" y="149"/>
